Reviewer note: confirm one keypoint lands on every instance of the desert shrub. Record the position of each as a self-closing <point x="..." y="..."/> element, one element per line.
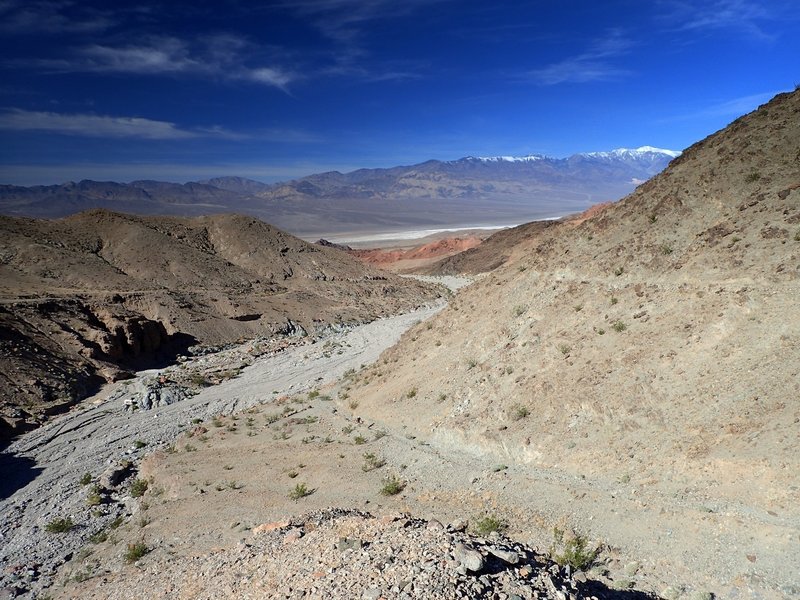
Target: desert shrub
<point x="94" y="498"/>
<point x="573" y="552"/>
<point x="61" y="525"/>
<point x="372" y="462"/>
<point x="489" y="524"/>
<point x="518" y="412"/>
<point x="301" y="490"/>
<point x="619" y="326"/>
<point x="85" y="479"/>
<point x="199" y="380"/>
<point x="135" y="551"/>
<point x="359" y="440"/>
<point x="99" y="537"/>
<point x="752" y="177"/>
<point x="138" y="488"/>
<point x="392" y="486"/>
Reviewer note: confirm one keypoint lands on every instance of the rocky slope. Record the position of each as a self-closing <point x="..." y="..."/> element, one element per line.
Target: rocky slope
<point x="655" y="344"/>
<point x="85" y="299"/>
<point x="335" y="553"/>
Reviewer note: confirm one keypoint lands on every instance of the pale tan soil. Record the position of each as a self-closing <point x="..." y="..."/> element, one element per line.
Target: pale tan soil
<point x="695" y="398"/>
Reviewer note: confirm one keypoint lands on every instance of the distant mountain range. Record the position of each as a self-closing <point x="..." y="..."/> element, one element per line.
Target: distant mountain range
<point x="470" y="191"/>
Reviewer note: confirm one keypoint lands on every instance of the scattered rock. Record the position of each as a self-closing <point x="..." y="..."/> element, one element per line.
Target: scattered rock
<point x="468" y="558"/>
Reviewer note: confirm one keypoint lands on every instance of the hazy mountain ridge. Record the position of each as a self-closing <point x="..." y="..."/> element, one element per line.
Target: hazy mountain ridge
<point x="468" y="191"/>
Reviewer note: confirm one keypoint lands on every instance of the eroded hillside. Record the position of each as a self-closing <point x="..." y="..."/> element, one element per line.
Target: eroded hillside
<point x="655" y="345"/>
<point x="85" y="299"/>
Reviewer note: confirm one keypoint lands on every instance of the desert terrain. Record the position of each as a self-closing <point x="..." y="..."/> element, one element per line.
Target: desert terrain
<point x="90" y="298"/>
<point x="601" y="407"/>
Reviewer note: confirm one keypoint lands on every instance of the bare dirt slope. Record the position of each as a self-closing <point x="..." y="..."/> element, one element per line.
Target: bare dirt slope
<point x="494" y="251"/>
<point x="655" y="345"/>
<point x="86" y="298"/>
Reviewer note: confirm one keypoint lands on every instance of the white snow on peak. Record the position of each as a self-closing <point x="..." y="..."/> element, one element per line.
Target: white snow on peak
<point x="634" y="152"/>
<point x="529" y="158"/>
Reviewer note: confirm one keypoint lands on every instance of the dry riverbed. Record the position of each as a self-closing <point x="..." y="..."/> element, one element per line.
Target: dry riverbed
<point x="76" y="473"/>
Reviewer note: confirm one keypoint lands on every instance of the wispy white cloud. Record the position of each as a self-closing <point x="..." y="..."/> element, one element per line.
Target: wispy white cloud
<point x="345" y="23"/>
<point x="735" y="107"/>
<point x="101" y="126"/>
<point x="52" y="17"/>
<point x="165" y="55"/>
<point x="751" y="19"/>
<point x="221" y="57"/>
<point x="596" y="64"/>
<point x="267" y="75"/>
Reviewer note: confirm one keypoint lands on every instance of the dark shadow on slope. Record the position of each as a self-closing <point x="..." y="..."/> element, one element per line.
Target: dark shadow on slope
<point x="561" y="581"/>
<point x="178" y="344"/>
<point x="15" y="473"/>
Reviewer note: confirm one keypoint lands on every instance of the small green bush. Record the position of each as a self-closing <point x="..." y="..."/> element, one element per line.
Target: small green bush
<point x="619" y="326"/>
<point x="94" y="498"/>
<point x="752" y="177"/>
<point x="135" y="552"/>
<point x="138" y="488"/>
<point x="573" y="552"/>
<point x="372" y="462"/>
<point x="138" y="444"/>
<point x="85" y="479"/>
<point x="59" y="525"/>
<point x="99" y="537"/>
<point x="359" y="440"/>
<point x="392" y="486"/>
<point x="301" y="490"/>
<point x="488" y="524"/>
<point x="519" y="412"/>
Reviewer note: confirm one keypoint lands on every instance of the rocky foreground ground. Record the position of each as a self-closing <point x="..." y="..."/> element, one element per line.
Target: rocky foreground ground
<point x="351" y="554"/>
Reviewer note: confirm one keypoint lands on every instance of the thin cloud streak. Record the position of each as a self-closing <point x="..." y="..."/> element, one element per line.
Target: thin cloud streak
<point x="344" y="22"/>
<point x="744" y="16"/>
<point x="49" y="17"/>
<point x="88" y="125"/>
<point x="220" y="57"/>
<point x="593" y="65"/>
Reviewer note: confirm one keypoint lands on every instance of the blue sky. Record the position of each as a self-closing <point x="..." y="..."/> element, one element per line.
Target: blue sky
<point x="275" y="90"/>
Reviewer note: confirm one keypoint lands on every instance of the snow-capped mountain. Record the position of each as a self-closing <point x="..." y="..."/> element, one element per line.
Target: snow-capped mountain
<point x="432" y="194"/>
<point x="520" y="159"/>
<point x="641" y="152"/>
